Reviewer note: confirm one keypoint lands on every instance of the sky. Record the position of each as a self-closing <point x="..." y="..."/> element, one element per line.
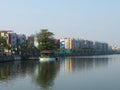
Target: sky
<point x="97" y="20"/>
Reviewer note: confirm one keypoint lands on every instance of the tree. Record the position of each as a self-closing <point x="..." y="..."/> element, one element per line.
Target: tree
<point x="45" y="40"/>
<point x="3" y="42"/>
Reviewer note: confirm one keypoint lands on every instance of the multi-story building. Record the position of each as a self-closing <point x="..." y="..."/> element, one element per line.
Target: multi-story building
<point x="105" y="46"/>
<point x="82" y="43"/>
<point x="30" y="40"/>
<point x="62" y="43"/>
<point x="35" y="42"/>
<point x="13" y="39"/>
<point x="100" y="46"/>
<point x="57" y="43"/>
<point x="67" y="43"/>
<point x="88" y="44"/>
<point x="5" y="34"/>
<point x="77" y="43"/>
<point x="21" y="38"/>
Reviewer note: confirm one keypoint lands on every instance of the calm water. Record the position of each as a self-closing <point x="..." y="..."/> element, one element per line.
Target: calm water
<point x="71" y="73"/>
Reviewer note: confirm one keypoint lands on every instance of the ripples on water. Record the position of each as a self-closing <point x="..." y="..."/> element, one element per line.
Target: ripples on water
<point x="67" y="73"/>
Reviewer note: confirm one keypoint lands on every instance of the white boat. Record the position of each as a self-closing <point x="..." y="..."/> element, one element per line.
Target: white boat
<point x="44" y="59"/>
<point x="47" y="56"/>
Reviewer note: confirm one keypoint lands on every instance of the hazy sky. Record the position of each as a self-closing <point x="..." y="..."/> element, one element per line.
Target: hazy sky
<point x="87" y="19"/>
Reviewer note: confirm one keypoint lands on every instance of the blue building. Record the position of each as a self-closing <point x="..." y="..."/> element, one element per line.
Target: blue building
<point x="62" y="43"/>
<point x="21" y="38"/>
<point x="13" y="39"/>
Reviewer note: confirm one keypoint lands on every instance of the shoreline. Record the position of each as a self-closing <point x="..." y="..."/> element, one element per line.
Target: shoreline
<point x="25" y="58"/>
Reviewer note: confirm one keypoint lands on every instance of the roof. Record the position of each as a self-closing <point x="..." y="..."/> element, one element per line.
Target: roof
<point x="6" y="31"/>
<point x="47" y="51"/>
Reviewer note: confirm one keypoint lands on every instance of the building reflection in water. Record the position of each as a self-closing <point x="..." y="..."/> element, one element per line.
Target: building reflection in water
<point x="83" y="64"/>
<point x="44" y="74"/>
<point x="68" y="65"/>
<point x="11" y="70"/>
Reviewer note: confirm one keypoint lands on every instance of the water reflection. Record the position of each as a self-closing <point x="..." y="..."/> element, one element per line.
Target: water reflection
<point x="43" y="75"/>
<point x="72" y="64"/>
<point x="47" y="72"/>
<point x="11" y="70"/>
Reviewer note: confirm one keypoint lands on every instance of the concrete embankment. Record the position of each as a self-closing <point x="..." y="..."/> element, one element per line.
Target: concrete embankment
<point x="17" y="58"/>
<point x="83" y="54"/>
<point x="6" y="58"/>
<point x="30" y="57"/>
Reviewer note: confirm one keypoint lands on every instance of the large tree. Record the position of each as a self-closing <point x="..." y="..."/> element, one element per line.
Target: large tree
<point x="45" y="40"/>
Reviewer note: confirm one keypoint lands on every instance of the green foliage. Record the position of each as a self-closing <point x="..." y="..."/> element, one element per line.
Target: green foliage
<point x="45" y="40"/>
<point x="3" y="42"/>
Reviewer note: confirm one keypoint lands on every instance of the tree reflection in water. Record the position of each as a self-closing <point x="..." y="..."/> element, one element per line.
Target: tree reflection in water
<point x="46" y="74"/>
<point x="11" y="70"/>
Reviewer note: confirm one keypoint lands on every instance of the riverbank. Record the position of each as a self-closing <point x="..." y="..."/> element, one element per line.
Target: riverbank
<point x="82" y="53"/>
<point x="17" y="58"/>
<point x="6" y="58"/>
<point x="23" y="58"/>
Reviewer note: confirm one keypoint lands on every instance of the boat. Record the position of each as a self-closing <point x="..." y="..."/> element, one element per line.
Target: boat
<point x="47" y="55"/>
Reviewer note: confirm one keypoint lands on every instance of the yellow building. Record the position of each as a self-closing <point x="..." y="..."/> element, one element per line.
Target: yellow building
<point x="5" y="34"/>
<point x="69" y="44"/>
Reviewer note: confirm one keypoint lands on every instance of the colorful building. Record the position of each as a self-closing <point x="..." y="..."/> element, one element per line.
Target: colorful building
<point x="57" y="43"/>
<point x="21" y="38"/>
<point x="68" y="43"/>
<point x="12" y="39"/>
<point x="5" y="34"/>
<point x="88" y="44"/>
<point x="30" y="40"/>
<point x="76" y="43"/>
<point x="62" y="43"/>
<point x="82" y="43"/>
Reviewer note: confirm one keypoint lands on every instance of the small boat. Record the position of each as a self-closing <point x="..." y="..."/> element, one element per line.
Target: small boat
<point x="47" y="59"/>
<point x="47" y="55"/>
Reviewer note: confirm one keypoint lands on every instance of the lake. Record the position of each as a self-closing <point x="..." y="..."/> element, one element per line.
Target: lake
<point x="67" y="73"/>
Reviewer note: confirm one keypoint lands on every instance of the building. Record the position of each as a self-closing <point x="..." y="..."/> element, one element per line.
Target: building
<point x="62" y="43"/>
<point x="30" y="40"/>
<point x="5" y="34"/>
<point x="67" y="43"/>
<point x="21" y="38"/>
<point x="12" y="39"/>
<point x="100" y="46"/>
<point x="77" y="44"/>
<point x="57" y="43"/>
<point x="82" y="43"/>
<point x="88" y="44"/>
<point x="35" y="42"/>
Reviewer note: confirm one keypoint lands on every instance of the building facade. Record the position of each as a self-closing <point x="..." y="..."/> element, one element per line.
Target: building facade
<point x="21" y="38"/>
